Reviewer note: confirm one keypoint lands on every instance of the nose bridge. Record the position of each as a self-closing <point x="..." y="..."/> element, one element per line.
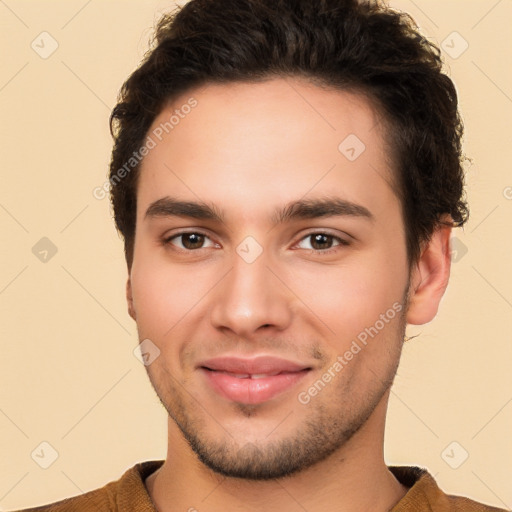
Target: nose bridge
<point x="250" y="295"/>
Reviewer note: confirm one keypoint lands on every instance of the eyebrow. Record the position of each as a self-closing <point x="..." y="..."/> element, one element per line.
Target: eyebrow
<point x="295" y="210"/>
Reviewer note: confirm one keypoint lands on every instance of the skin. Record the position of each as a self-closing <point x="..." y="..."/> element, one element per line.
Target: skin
<point x="248" y="149"/>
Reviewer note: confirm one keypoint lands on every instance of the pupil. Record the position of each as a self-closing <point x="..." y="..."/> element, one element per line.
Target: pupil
<point x="193" y="240"/>
<point x="321" y="239"/>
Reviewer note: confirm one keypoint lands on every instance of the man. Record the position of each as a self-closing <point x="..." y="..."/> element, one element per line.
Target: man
<point x="286" y="175"/>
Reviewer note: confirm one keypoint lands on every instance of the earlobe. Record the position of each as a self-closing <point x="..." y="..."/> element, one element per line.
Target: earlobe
<point x="429" y="277"/>
<point x="129" y="299"/>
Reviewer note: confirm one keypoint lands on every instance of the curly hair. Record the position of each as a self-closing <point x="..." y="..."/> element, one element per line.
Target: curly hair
<point x="352" y="45"/>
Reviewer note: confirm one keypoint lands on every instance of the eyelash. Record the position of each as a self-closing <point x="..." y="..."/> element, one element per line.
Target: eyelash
<point x="166" y="241"/>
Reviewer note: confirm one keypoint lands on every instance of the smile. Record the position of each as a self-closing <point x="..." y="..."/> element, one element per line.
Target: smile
<point x="252" y="381"/>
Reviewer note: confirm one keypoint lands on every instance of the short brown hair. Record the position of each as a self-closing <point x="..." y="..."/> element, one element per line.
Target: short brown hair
<point x="346" y="44"/>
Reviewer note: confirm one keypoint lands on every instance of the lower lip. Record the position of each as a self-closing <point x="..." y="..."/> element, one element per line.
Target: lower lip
<point x="252" y="391"/>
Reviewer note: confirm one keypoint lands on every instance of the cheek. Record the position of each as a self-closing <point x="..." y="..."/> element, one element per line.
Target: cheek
<point x="166" y="296"/>
<point x="351" y="297"/>
<point x="157" y="296"/>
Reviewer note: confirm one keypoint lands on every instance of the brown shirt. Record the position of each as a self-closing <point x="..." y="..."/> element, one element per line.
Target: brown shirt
<point x="128" y="494"/>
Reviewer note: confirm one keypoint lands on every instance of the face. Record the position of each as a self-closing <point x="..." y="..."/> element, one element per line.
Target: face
<point x="277" y="303"/>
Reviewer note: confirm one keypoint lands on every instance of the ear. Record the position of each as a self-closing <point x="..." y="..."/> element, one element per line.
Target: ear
<point x="129" y="299"/>
<point x="429" y="277"/>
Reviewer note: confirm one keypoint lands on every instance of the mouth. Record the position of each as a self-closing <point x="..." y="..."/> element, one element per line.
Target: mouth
<point x="252" y="381"/>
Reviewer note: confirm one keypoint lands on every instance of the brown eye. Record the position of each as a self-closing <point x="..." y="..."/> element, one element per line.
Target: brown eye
<point x="320" y="242"/>
<point x="189" y="240"/>
<point x="192" y="240"/>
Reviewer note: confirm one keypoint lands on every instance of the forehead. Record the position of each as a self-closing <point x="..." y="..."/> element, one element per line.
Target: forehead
<point x="244" y="143"/>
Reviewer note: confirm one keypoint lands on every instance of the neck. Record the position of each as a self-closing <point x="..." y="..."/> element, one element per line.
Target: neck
<point x="353" y="478"/>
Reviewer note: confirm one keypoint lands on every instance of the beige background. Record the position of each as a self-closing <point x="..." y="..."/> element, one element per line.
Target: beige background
<point x="68" y="375"/>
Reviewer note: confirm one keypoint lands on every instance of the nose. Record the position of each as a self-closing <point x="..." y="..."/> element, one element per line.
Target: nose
<point x="252" y="297"/>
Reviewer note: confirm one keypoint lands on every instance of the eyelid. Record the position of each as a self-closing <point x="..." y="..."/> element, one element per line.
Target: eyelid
<point x="166" y="240"/>
<point x="342" y="241"/>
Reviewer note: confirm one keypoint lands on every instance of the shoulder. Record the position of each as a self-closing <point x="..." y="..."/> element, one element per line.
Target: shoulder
<point x="115" y="496"/>
<point x="425" y="494"/>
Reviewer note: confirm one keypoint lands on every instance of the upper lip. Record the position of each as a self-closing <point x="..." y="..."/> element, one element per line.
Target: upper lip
<point x="253" y="365"/>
